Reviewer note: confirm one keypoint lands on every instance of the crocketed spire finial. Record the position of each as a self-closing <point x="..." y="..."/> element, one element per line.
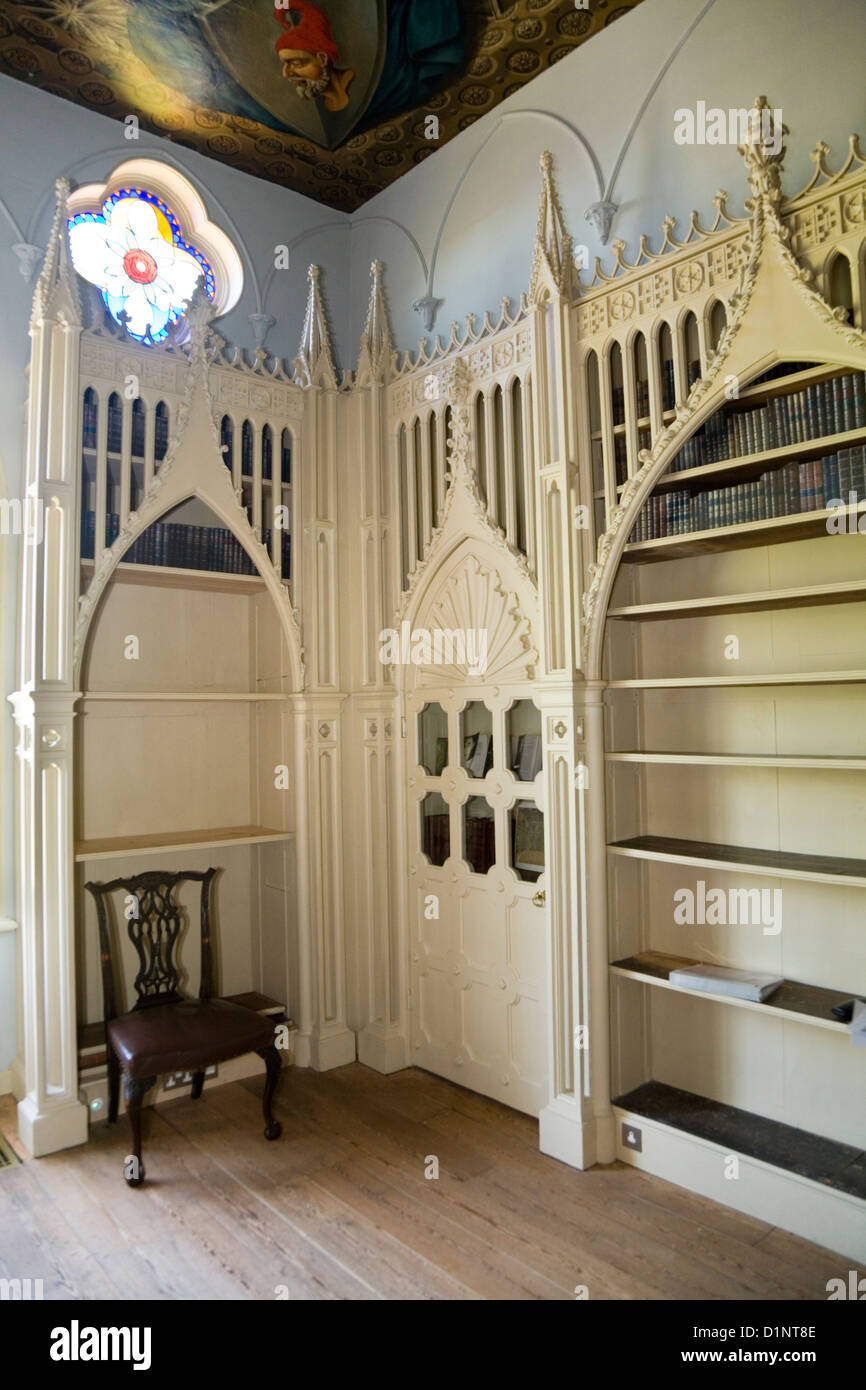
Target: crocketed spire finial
<point x="552" y="257"/>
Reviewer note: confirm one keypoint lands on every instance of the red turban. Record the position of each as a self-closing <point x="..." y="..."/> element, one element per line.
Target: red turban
<point x="312" y="33"/>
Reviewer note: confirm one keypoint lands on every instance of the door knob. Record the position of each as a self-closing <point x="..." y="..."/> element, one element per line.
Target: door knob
<point x="540" y="898"/>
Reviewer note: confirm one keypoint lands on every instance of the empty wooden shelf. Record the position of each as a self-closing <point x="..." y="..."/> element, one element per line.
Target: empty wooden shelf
<point x="777" y="761"/>
<point x="122" y="846"/>
<point x="764" y="600"/>
<point x="777" y="863"/>
<point x="855" y="677"/>
<point x="840" y="1166"/>
<point x="169" y="577"/>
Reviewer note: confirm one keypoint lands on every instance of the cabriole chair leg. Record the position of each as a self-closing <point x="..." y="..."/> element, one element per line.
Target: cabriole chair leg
<point x="134" y="1092"/>
<point x="273" y="1128"/>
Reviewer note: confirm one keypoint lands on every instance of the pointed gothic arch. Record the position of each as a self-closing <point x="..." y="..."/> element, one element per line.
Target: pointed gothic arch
<point x="194" y="442"/>
<point x="245" y="536"/>
<point x="465" y="527"/>
<point x="775" y="302"/>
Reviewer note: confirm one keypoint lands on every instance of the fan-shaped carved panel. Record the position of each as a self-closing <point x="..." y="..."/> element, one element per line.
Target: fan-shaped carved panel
<point x="477" y="630"/>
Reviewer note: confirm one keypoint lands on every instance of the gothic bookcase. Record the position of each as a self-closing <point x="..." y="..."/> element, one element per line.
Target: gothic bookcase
<point x="165" y="713"/>
<point x="191" y="690"/>
<point x="726" y="627"/>
<point x="601" y="476"/>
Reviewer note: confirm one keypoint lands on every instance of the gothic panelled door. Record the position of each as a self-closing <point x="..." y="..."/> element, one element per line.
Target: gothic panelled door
<point x="478" y="937"/>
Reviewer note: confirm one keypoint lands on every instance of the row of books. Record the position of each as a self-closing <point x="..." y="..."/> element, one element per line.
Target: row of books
<point x="181" y="546"/>
<point x="114" y="431"/>
<point x="160" y="446"/>
<point x="642" y="405"/>
<point x="642" y="397"/>
<point x="114" y="437"/>
<point x="797" y="487"/>
<point x="783" y="369"/>
<point x="823" y="408"/>
<point x="227" y="441"/>
<point x="669" y="389"/>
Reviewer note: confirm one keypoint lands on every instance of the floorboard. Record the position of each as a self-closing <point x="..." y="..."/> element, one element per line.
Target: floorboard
<point x="342" y="1208"/>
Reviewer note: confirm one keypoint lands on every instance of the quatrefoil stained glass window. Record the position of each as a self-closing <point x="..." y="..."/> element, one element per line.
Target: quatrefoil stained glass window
<point x="135" y="253"/>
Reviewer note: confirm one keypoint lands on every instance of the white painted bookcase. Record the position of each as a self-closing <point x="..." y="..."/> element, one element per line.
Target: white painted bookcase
<point x="733" y="661"/>
<point x="493" y="481"/>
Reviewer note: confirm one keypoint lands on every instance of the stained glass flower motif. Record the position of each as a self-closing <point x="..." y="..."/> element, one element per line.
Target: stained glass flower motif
<point x="135" y="253"/>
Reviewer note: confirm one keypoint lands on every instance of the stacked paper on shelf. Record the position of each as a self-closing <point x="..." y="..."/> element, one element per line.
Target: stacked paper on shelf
<point x="721" y="979"/>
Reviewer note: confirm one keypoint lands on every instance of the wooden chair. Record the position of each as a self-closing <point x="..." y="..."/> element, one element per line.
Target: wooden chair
<point x="166" y="1032"/>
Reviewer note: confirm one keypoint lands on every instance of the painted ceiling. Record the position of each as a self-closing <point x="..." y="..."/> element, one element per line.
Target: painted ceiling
<point x="333" y="99"/>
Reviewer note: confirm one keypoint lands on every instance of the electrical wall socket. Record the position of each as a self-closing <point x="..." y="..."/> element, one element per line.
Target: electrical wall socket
<point x="632" y="1138"/>
<point x="184" y="1078"/>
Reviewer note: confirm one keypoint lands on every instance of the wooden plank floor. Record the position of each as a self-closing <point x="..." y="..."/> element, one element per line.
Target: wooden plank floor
<point x="340" y="1208"/>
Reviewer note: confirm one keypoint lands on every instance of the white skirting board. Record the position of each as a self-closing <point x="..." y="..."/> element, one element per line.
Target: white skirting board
<point x="821" y="1214"/>
<point x="95" y="1087"/>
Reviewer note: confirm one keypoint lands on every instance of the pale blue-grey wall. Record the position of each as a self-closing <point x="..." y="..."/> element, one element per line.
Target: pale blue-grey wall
<point x="807" y="58"/>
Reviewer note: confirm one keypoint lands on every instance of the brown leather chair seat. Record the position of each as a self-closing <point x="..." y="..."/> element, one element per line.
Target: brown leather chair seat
<point x="186" y="1036"/>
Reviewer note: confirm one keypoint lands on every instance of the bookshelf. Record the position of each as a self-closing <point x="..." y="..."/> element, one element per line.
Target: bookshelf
<point x="746" y="467"/>
<point x="800" y="452"/>
<point x="833" y="1165"/>
<point x="175" y="842"/>
<point x="171" y="577"/>
<point x="178" y="749"/>
<point x="698" y="682"/>
<point x="775" y="863"/>
<point x="765" y="600"/>
<point x="122" y="448"/>
<point x="735" y="755"/>
<point x="778" y="760"/>
<point x="175" y="696"/>
<point x="743" y="535"/>
<point x="792" y="1001"/>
